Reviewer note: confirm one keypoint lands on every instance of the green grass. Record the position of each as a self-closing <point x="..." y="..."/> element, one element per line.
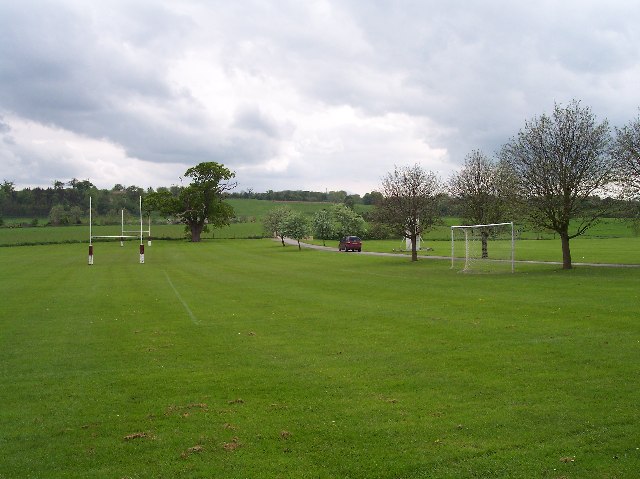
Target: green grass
<point x="274" y="362"/>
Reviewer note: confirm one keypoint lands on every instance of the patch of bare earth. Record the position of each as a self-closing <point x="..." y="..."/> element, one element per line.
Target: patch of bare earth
<point x="232" y="446"/>
<point x="197" y="449"/>
<point x="185" y="410"/>
<point x="135" y="435"/>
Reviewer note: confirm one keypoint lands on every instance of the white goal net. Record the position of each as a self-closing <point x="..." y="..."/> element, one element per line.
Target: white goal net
<point x="483" y="248"/>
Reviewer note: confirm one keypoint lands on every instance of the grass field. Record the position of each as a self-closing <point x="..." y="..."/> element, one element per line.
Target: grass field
<point x="243" y="359"/>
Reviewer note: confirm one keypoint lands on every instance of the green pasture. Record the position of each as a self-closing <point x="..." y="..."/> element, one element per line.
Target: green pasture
<point x="241" y="358"/>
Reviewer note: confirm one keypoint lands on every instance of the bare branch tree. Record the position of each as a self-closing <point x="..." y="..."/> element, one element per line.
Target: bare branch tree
<point x="410" y="202"/>
<point x="627" y="153"/>
<point x="486" y="191"/>
<point x="561" y="160"/>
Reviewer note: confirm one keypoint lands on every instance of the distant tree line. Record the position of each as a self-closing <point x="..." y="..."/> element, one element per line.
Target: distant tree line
<point x="66" y="202"/>
<point x="340" y="196"/>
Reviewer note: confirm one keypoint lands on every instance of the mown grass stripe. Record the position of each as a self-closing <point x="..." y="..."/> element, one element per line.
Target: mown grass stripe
<point x="184" y="303"/>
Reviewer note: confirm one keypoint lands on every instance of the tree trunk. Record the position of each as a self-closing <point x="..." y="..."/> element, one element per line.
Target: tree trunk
<point x="485" y="237"/>
<point x="566" y="251"/>
<point x="414" y="250"/>
<point x="196" y="231"/>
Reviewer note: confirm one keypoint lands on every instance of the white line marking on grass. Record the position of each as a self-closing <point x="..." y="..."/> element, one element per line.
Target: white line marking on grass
<point x="186" y="306"/>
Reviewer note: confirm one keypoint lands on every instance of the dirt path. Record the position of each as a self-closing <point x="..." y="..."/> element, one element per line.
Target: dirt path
<point x="376" y="253"/>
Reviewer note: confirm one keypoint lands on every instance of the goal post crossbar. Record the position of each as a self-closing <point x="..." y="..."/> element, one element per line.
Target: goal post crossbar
<point x="466" y="229"/>
<point x="115" y="236"/>
<point x="482" y="226"/>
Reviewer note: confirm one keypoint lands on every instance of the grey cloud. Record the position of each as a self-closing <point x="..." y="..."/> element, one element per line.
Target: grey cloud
<point x="4" y="127"/>
<point x="59" y="70"/>
<point x="253" y="119"/>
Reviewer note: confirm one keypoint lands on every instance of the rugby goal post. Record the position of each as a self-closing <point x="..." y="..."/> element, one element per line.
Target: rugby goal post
<point x="486" y="248"/>
<point x="121" y="236"/>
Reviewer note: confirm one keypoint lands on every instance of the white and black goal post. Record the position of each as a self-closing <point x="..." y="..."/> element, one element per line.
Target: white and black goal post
<point x="122" y="236"/>
<point x="484" y="248"/>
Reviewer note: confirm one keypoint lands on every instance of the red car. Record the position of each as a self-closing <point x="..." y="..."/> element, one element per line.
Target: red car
<point x="352" y="243"/>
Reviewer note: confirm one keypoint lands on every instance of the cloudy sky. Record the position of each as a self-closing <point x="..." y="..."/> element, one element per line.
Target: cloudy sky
<point x="295" y="94"/>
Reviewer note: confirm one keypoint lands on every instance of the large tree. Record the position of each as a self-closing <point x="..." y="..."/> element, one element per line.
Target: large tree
<point x="561" y="160"/>
<point x="410" y="202"/>
<point x="485" y="190"/>
<point x="200" y="203"/>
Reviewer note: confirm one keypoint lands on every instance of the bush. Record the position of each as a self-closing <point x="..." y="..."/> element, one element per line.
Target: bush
<point x="379" y="232"/>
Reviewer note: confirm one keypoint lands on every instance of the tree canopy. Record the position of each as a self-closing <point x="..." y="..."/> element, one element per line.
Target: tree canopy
<point x="561" y="161"/>
<point x="485" y="190"/>
<point x="410" y="202"/>
<point x="199" y="204"/>
<point x="275" y="222"/>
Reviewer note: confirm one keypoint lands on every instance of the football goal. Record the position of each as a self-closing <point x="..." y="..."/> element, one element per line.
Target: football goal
<point x="483" y="248"/>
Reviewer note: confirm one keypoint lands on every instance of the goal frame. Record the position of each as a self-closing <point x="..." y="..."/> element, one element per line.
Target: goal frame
<point x="121" y="236"/>
<point x="466" y="228"/>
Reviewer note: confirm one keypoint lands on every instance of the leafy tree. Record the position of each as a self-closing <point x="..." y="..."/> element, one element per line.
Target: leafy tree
<point x="296" y="226"/>
<point x="372" y="198"/>
<point x="486" y="192"/>
<point x="84" y="185"/>
<point x="348" y="222"/>
<point x="410" y="202"/>
<point x="75" y="215"/>
<point x="351" y="200"/>
<point x="7" y="187"/>
<point x="323" y="225"/>
<point x="275" y="222"/>
<point x="201" y="202"/>
<point x="337" y="196"/>
<point x="561" y="161"/>
<point x="59" y="216"/>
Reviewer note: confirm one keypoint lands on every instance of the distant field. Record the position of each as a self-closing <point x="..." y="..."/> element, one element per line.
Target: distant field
<point x="241" y="358"/>
<point x="250" y="212"/>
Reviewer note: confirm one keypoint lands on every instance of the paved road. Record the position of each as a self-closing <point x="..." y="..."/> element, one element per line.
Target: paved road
<point x="376" y="253"/>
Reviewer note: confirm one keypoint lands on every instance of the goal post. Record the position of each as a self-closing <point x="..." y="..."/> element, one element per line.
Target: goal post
<point x="484" y="248"/>
<point x="123" y="233"/>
